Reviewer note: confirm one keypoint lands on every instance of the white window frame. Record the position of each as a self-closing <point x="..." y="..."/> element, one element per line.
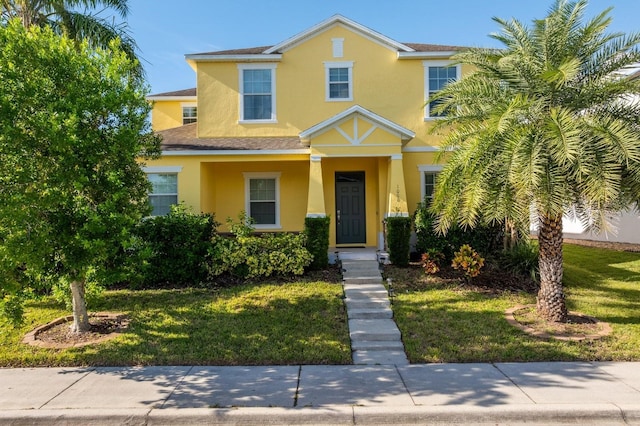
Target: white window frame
<point x="164" y="170"/>
<point x="184" y="105"/>
<point x="341" y="64"/>
<point x="257" y="66"/>
<point x="435" y="64"/>
<point x="247" y="196"/>
<point x="427" y="169"/>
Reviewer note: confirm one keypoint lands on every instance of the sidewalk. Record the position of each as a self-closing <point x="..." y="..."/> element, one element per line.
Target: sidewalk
<point x="502" y="393"/>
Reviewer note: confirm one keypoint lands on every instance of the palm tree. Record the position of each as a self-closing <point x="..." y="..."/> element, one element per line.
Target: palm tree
<point x="74" y="19"/>
<point x="541" y="126"/>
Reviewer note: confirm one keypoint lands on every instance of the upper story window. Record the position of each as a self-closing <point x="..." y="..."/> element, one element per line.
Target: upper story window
<point x="437" y="75"/>
<point x="339" y="81"/>
<point x="257" y="92"/>
<point x="189" y="114"/>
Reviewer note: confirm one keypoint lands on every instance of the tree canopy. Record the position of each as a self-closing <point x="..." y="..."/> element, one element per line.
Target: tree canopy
<point x="544" y="125"/>
<point x="76" y="19"/>
<point x="73" y="123"/>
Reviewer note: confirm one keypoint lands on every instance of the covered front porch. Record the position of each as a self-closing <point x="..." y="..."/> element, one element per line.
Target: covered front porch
<point x="356" y="176"/>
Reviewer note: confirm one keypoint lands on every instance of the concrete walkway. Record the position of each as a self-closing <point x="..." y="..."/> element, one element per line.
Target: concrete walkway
<point x="375" y="337"/>
<point x="606" y="393"/>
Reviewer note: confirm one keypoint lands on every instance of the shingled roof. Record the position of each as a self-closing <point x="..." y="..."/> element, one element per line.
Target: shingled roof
<point x="184" y="138"/>
<point x="418" y="47"/>
<point x="185" y="92"/>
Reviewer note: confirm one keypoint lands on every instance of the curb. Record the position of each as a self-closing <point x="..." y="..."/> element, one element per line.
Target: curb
<point x="593" y="414"/>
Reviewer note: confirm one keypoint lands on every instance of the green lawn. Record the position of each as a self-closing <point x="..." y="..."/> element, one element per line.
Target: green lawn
<point x="305" y="322"/>
<point x="444" y="323"/>
<point x="296" y="323"/>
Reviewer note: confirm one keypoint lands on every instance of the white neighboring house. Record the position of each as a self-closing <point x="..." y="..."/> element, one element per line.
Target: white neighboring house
<point x="626" y="224"/>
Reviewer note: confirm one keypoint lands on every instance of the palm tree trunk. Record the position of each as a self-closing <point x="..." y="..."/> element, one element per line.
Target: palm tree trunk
<point x="80" y="315"/>
<point x="551" y="303"/>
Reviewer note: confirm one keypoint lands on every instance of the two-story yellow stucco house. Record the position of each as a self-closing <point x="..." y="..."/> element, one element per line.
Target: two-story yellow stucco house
<point x="332" y="122"/>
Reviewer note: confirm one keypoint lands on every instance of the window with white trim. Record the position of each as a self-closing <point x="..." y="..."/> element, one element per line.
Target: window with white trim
<point x="189" y="114"/>
<point x="428" y="179"/>
<point x="339" y="81"/>
<point x="164" y="192"/>
<point x="262" y="195"/>
<point x="437" y="74"/>
<point x="257" y="92"/>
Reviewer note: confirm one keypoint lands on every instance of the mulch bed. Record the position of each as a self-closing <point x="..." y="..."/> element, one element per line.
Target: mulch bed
<point x="57" y="334"/>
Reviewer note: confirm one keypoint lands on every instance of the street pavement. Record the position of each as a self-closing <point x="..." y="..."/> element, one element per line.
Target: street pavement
<point x="604" y="393"/>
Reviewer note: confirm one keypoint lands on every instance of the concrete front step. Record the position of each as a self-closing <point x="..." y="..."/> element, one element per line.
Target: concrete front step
<point x="380" y="357"/>
<point x="377" y="345"/>
<point x="355" y="256"/>
<point x="366" y="303"/>
<point x="371" y="313"/>
<point x="362" y="280"/>
<point x="373" y="330"/>
<point x="365" y="287"/>
<point x="366" y="294"/>
<point x="366" y="274"/>
<point x="360" y="264"/>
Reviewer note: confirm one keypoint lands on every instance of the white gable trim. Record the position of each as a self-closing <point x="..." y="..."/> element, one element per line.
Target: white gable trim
<point x="330" y="23"/>
<point x="357" y="111"/>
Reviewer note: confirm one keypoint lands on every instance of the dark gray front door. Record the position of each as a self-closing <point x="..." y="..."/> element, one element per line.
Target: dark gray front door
<point x="350" y="213"/>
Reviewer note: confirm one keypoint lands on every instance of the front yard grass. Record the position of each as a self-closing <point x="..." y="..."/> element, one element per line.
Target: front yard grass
<point x="441" y="322"/>
<point x="252" y="324"/>
<point x="305" y="322"/>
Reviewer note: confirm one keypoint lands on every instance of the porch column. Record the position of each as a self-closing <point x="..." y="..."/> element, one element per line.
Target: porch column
<point x="315" y="198"/>
<point x="396" y="192"/>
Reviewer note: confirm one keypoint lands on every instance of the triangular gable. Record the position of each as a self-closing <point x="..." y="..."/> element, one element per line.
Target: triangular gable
<point x="330" y="23"/>
<point x="355" y="112"/>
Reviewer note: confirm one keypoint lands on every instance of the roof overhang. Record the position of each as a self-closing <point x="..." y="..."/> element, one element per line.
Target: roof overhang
<point x="356" y="110"/>
<point x="426" y="55"/>
<point x="234" y="58"/>
<point x="173" y="98"/>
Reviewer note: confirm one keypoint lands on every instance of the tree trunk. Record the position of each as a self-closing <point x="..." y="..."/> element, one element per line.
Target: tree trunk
<point x="551" y="303"/>
<point x="510" y="238"/>
<point x="80" y="316"/>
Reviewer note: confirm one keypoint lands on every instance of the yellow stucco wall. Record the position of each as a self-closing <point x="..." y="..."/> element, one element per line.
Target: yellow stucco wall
<point x="166" y="115"/>
<point x="216" y="184"/>
<point x="412" y="162"/>
<point x="383" y="84"/>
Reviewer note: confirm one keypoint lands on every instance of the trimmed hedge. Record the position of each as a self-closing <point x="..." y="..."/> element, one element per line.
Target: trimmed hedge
<point x="247" y="255"/>
<point x="316" y="230"/>
<point x="175" y="246"/>
<point x="398" y="237"/>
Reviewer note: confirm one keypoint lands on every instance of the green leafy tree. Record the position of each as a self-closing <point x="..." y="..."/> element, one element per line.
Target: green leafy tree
<point x="73" y="121"/>
<point x="76" y="19"/>
<point x="544" y="124"/>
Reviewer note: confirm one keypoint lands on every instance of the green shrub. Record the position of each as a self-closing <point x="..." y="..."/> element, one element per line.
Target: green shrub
<point x="468" y="260"/>
<point x="316" y="230"/>
<point x="247" y="256"/>
<point x="522" y="259"/>
<point x="431" y="262"/>
<point x="398" y="236"/>
<point x="487" y="239"/>
<point x="174" y="247"/>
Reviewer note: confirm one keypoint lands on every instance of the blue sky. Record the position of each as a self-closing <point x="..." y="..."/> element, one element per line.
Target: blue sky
<point x="166" y="30"/>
